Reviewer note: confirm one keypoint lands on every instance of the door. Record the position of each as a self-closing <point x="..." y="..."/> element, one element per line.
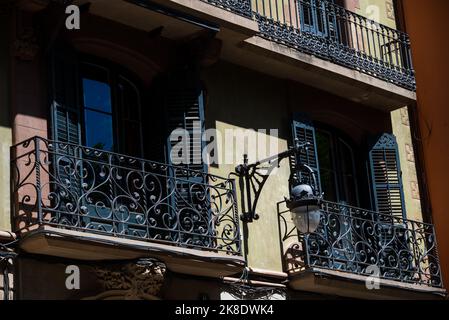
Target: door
<point x="110" y="112"/>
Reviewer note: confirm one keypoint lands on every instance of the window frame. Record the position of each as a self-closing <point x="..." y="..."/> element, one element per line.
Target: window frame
<point x="114" y="72"/>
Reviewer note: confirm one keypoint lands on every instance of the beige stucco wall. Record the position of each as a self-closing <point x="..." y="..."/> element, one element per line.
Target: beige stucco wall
<point x="379" y="10"/>
<point x="401" y="129"/>
<point x="5" y="126"/>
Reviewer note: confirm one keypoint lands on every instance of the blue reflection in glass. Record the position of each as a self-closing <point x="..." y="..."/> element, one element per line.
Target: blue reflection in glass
<point x="97" y="95"/>
<point x="99" y="130"/>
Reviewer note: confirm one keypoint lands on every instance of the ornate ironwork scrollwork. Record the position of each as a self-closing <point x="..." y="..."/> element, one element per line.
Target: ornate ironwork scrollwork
<point x="242" y="7"/>
<point x="352" y="239"/>
<point x="76" y="187"/>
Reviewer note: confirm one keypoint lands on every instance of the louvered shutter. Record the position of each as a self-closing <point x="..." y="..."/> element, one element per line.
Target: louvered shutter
<point x="386" y="176"/>
<point x="65" y="106"/>
<point x="304" y="131"/>
<point x="185" y="110"/>
<point x="65" y="129"/>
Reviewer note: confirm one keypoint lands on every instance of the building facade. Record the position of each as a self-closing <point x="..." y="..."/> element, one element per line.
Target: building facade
<point x="133" y="137"/>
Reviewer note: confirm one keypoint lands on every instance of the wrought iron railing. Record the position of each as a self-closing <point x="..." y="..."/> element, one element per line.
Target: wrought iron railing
<point x="331" y="32"/>
<point x="6" y="275"/>
<point x="241" y="7"/>
<point x="85" y="189"/>
<point x="367" y="243"/>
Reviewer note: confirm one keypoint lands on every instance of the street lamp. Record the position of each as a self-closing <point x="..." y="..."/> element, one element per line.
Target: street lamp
<point x="305" y="208"/>
<point x="304" y="202"/>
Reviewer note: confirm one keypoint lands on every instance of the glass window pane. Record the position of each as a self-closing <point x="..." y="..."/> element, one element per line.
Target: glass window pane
<point x="97" y="95"/>
<point x="327" y="170"/>
<point x="99" y="132"/>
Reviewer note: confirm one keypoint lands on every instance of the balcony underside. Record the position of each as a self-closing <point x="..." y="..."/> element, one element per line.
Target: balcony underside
<point x="351" y="285"/>
<point x="288" y="63"/>
<point x="78" y="245"/>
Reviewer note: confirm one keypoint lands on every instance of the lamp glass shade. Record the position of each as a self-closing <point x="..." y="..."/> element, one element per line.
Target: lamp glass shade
<point x="306" y="218"/>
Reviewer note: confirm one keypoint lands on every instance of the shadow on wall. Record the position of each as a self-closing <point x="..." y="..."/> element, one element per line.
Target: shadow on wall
<point x="247" y="99"/>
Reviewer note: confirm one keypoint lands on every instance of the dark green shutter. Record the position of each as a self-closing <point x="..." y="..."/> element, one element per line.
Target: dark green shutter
<point x="386" y="176"/>
<point x="304" y="131"/>
<point x="65" y="101"/>
<point x="65" y="129"/>
<point x="184" y="108"/>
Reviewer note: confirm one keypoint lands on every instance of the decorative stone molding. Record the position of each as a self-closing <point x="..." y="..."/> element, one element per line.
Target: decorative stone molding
<point x="25" y="48"/>
<point x="6" y="6"/>
<point x="390" y="10"/>
<point x="140" y="280"/>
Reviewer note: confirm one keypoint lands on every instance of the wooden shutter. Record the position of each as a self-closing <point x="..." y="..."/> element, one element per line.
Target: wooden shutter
<point x="65" y="102"/>
<point x="65" y="129"/>
<point x="386" y="176"/>
<point x="304" y="131"/>
<point x="185" y="110"/>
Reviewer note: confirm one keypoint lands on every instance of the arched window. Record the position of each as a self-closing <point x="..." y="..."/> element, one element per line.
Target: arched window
<point x="111" y="107"/>
<point x="367" y="176"/>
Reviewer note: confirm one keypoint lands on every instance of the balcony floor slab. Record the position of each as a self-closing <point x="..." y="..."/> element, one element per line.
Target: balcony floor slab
<point x="351" y="285"/>
<point x="79" y="245"/>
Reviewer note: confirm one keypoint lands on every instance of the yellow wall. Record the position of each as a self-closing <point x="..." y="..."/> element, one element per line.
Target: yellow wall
<point x="251" y="101"/>
<point x="239" y="98"/>
<point x="378" y="10"/>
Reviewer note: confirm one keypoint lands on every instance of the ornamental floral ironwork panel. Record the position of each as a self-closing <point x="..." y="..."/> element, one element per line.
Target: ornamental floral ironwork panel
<point x="353" y="240"/>
<point x="80" y="188"/>
<point x="242" y="7"/>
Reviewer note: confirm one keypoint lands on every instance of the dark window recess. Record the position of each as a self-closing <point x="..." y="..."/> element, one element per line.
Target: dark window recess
<point x="337" y="168"/>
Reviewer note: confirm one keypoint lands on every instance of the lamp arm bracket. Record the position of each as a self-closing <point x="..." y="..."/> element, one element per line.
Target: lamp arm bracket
<point x="254" y="176"/>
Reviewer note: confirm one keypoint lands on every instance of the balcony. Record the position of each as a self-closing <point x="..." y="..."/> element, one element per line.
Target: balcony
<point x="241" y="7"/>
<point x="333" y="33"/>
<point x="360" y="245"/>
<point x="84" y="203"/>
